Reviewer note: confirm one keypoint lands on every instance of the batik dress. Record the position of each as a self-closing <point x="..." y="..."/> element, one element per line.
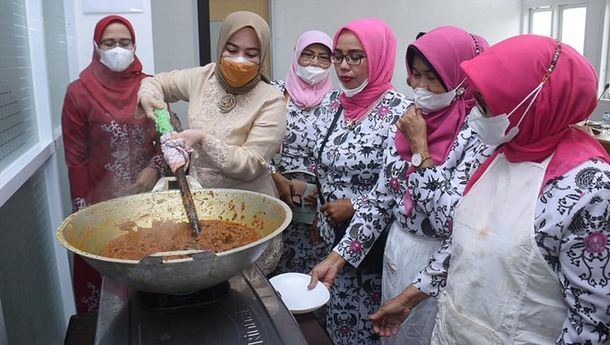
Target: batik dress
<point x="349" y="168"/>
<point x="302" y="249"/>
<point x="571" y="229"/>
<point x="407" y="252"/>
<point x="104" y="154"/>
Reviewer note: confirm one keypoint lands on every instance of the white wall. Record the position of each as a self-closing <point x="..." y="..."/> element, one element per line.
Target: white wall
<point x="494" y="20"/>
<point x="176" y="46"/>
<point x="84" y="25"/>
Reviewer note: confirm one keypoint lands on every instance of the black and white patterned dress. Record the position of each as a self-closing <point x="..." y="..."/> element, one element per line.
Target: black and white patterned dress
<point x="349" y="168"/>
<point x="384" y="207"/>
<point x="301" y="252"/>
<point x="571" y="227"/>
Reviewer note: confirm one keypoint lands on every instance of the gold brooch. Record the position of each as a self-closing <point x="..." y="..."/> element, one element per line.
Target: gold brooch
<point x="227" y="103"/>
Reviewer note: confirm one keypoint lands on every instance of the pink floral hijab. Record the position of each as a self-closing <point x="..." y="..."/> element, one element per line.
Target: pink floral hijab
<point x="302" y="93"/>
<point x="379" y="44"/>
<point x="509" y="71"/>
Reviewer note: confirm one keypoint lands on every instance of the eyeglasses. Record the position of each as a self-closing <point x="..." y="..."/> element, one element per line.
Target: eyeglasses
<point x="110" y="43"/>
<point x="351" y="59"/>
<point x="323" y="59"/>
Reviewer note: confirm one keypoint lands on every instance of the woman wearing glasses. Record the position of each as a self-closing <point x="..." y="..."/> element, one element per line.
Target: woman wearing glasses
<point x="306" y="84"/>
<point x="236" y="119"/>
<point x="353" y="129"/>
<point x="108" y="151"/>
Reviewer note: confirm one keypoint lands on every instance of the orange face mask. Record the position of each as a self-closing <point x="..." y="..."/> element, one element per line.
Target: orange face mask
<point x="238" y="71"/>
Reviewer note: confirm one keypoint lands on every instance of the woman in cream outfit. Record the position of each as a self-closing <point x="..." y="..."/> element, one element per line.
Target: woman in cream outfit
<point x="236" y="119"/>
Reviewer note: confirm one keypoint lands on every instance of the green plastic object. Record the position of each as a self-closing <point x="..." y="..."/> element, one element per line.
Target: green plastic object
<point x="162" y="121"/>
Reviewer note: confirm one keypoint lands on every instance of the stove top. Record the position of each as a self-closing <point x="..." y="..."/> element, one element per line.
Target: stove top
<point x="245" y="311"/>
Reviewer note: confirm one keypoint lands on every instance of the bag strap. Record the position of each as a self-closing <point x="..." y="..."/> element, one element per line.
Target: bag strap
<point x="328" y="133"/>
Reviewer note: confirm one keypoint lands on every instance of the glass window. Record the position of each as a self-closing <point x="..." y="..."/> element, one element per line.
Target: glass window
<point x="18" y="130"/>
<point x="572" y="30"/>
<point x="56" y="49"/>
<point x="541" y="21"/>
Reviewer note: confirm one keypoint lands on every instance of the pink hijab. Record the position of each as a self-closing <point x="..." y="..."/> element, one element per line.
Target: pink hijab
<point x="303" y="94"/>
<point x="445" y="48"/>
<point x="511" y="69"/>
<point x="379" y="44"/>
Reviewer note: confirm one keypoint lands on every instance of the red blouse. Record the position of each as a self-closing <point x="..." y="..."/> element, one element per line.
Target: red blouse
<point x="104" y="154"/>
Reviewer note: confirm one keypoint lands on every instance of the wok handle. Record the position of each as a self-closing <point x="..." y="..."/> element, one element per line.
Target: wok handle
<point x="187" y="199"/>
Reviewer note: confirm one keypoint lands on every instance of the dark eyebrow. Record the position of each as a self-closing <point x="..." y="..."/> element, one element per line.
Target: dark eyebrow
<point x="109" y="39"/>
<point x="229" y="43"/>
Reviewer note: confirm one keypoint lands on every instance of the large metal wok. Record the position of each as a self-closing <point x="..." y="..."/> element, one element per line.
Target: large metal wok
<point x="87" y="231"/>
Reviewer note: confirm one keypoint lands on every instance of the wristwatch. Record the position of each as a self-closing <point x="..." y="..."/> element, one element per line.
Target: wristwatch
<point x="418" y="158"/>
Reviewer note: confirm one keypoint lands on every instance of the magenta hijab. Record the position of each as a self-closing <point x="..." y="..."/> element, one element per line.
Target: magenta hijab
<point x="510" y="70"/>
<point x="445" y="48"/>
<point x="379" y="44"/>
<point x="302" y="93"/>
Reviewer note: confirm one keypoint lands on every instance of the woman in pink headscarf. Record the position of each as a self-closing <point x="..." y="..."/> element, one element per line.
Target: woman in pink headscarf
<point x="353" y="130"/>
<point x="433" y="62"/>
<point x="528" y="261"/>
<point x="306" y="84"/>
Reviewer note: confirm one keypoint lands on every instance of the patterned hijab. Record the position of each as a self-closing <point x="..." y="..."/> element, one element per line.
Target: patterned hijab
<point x="233" y="23"/>
<point x="115" y="92"/>
<point x="509" y="71"/>
<point x="379" y="44"/>
<point x="301" y="92"/>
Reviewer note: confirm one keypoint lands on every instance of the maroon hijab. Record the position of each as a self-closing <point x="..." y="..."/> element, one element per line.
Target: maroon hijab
<point x="115" y="92"/>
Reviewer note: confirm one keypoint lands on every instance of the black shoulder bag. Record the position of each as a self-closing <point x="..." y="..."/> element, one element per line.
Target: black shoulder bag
<point x="373" y="261"/>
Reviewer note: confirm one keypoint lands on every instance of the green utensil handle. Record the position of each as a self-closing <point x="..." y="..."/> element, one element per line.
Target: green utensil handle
<point x="163" y="121"/>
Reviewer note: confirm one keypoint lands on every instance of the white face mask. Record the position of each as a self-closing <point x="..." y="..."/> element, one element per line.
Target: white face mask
<point x="353" y="92"/>
<point x="492" y="130"/>
<point x="312" y="74"/>
<point x="430" y="102"/>
<point x="117" y="58"/>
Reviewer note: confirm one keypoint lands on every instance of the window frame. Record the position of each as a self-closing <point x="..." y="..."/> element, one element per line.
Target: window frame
<point x="42" y="155"/>
<point x="596" y="47"/>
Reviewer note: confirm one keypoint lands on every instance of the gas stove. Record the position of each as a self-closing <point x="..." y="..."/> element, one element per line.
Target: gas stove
<point x="245" y="310"/>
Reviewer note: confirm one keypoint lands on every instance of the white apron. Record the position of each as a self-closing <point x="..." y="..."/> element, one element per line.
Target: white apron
<point x="405" y="255"/>
<point x="500" y="290"/>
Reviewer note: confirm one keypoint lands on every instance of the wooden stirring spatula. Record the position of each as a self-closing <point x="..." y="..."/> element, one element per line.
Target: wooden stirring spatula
<point x="164" y="126"/>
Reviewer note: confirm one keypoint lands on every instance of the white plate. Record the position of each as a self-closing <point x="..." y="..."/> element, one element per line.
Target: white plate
<point x="292" y="287"/>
